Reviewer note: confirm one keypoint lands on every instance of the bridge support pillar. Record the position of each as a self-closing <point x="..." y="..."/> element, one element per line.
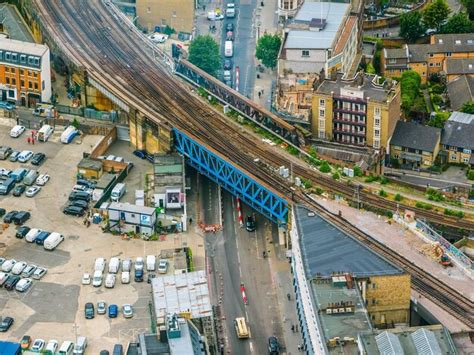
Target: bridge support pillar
<point x="147" y="135"/>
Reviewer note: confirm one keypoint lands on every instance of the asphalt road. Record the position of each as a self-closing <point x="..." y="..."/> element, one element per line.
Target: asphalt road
<point x="244" y="44"/>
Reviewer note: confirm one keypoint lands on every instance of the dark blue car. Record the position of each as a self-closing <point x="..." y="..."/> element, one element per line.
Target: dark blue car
<point x="113" y="311"/>
<point x="140" y="154"/>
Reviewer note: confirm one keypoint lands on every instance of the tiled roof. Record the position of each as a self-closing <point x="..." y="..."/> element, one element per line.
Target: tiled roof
<point x="415" y="136"/>
<point x="457" y="134"/>
<point x="460" y="90"/>
<point x="460" y="66"/>
<point x="395" y="53"/>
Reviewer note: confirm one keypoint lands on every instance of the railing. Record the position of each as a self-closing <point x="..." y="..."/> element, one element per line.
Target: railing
<point x="346" y="131"/>
<point x="345" y="110"/>
<point x="346" y="121"/>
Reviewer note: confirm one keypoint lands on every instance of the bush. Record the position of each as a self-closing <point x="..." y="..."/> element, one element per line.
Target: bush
<point x="438" y="89"/>
<point x="370" y="69"/>
<point x="383" y="193"/>
<point x="434" y="195"/>
<point x="319" y="191"/>
<point x="436" y="99"/>
<point x="425" y="206"/>
<point x="371" y="178"/>
<point x="398" y="197"/>
<point x="325" y="168"/>
<point x="306" y="183"/>
<point x="470" y="174"/>
<point x="357" y="171"/>
<point x="448" y="212"/>
<point x="384" y="180"/>
<point x="292" y="150"/>
<point x="389" y="214"/>
<point x="336" y="176"/>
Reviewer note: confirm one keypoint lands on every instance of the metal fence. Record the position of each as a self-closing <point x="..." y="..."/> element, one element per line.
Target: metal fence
<point x="76" y="111"/>
<point x="101" y="115"/>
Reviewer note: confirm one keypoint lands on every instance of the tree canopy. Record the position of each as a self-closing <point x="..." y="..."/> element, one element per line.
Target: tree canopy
<point x="436" y="14"/>
<point x="268" y="47"/>
<point x="410" y="87"/>
<point x="469" y="5"/>
<point x="204" y="53"/>
<point x="468" y="107"/>
<point x="411" y="26"/>
<point x="458" y="23"/>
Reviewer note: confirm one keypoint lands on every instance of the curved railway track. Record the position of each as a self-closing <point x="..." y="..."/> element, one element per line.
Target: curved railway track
<point x="94" y="40"/>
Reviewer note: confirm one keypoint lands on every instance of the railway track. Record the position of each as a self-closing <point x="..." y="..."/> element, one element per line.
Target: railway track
<point x="109" y="53"/>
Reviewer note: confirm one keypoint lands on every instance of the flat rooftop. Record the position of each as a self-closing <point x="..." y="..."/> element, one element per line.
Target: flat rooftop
<point x="182" y="293"/>
<point x="326" y="249"/>
<point x="13" y="24"/>
<point x="13" y="45"/>
<point x="183" y="344"/>
<point x="328" y="14"/>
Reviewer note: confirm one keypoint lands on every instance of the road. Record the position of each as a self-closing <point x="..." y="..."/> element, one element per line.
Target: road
<point x="235" y="257"/>
<point x="244" y="44"/>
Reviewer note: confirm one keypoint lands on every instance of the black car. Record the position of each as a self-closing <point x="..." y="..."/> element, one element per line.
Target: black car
<point x="11" y="282"/>
<point x="150" y="278"/>
<point x="250" y="224"/>
<point x="22" y="231"/>
<point x="140" y="154"/>
<point x="79" y="203"/>
<point x="21" y="217"/>
<point x="139" y="275"/>
<point x="74" y="211"/>
<point x="229" y="26"/>
<point x="19" y="190"/>
<point x="2" y="211"/>
<point x="89" y="311"/>
<point x="273" y="345"/>
<point x="227" y="64"/>
<point x="79" y="195"/>
<point x="6" y="324"/>
<point x="38" y="158"/>
<point x="86" y="183"/>
<point x="9" y="216"/>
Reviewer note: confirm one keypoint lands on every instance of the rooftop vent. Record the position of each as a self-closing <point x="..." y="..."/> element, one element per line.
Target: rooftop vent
<point x="470" y="66"/>
<point x="317" y="24"/>
<point x="458" y="42"/>
<point x="440" y="41"/>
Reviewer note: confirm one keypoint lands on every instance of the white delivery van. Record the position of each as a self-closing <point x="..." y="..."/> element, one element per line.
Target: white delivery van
<point x="117" y="192"/>
<point x="32" y="234"/>
<point x="150" y="263"/>
<point x="114" y="265"/>
<point x="81" y="345"/>
<point x="68" y="135"/>
<point x="53" y="241"/>
<point x="228" y="49"/>
<point x="99" y="264"/>
<point x="97" y="278"/>
<point x="45" y="132"/>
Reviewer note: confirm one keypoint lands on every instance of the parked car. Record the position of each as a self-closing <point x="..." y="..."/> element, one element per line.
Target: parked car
<point x="38" y="345"/>
<point x="32" y="235"/>
<point x="126" y="265"/>
<point x="140" y="154"/>
<point x="39" y="273"/>
<point x="25" y="342"/>
<point x="74" y="211"/>
<point x="250" y="224"/>
<point x="38" y="158"/>
<point x="14" y="156"/>
<point x="25" y="156"/>
<point x="139" y="263"/>
<point x="9" y="216"/>
<point x="79" y="203"/>
<point x="86" y="279"/>
<point x="18" y="190"/>
<point x="2" y="212"/>
<point x="23" y="285"/>
<point x="110" y="281"/>
<point x="227" y="64"/>
<point x="163" y="266"/>
<point x="125" y="277"/>
<point x="127" y="311"/>
<point x="101" y="307"/>
<point x="79" y="195"/>
<point x="89" y="311"/>
<point x="2" y="260"/>
<point x="6" y="324"/>
<point x="52" y="346"/>
<point x="17" y="131"/>
<point x="87" y="183"/>
<point x="113" y="311"/>
<point x="28" y="271"/>
<point x="150" y="277"/>
<point x="42" y="179"/>
<point x="32" y="191"/>
<point x="5" y="152"/>
<point x="22" y="231"/>
<point x="11" y="282"/>
<point x="21" y="217"/>
<point x="97" y="278"/>
<point x="7" y="266"/>
<point x="229" y="26"/>
<point x="18" y="267"/>
<point x="3" y="277"/>
<point x="138" y="275"/>
<point x="273" y="345"/>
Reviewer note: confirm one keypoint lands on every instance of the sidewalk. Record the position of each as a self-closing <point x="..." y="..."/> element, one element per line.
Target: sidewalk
<point x="202" y="23"/>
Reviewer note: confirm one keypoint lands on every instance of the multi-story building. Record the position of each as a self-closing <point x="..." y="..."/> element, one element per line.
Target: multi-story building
<point x="457" y="142"/>
<point x="427" y="59"/>
<point x="456" y="67"/>
<point x="460" y="91"/>
<point x="342" y="287"/>
<point x="288" y="8"/>
<point x="361" y="111"/>
<point x="25" y="72"/>
<point x="177" y="14"/>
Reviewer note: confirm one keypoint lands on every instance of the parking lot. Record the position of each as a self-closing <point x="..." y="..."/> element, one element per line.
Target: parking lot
<point x="53" y="307"/>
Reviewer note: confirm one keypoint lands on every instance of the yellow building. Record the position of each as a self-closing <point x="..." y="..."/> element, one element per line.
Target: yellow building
<point x="457" y="141"/>
<point x="414" y="145"/>
<point x="177" y="14"/>
<point x="427" y="59"/>
<point x="360" y="111"/>
<point x="456" y="67"/>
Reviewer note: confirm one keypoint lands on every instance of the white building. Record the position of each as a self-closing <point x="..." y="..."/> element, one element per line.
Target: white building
<point x="124" y="217"/>
<point x="25" y="72"/>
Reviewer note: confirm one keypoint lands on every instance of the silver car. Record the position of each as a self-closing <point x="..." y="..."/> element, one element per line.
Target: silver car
<point x="32" y="191"/>
<point x="23" y="285"/>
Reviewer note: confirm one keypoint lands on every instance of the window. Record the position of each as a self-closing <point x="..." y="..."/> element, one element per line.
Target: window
<point x="431" y="64"/>
<point x="374" y="301"/>
<point x="35" y="74"/>
<point x="30" y="60"/>
<point x="466" y="151"/>
<point x="454" y="157"/>
<point x="14" y="57"/>
<point x="22" y="72"/>
<point x="7" y="80"/>
<point x="23" y="58"/>
<point x="431" y="54"/>
<point x="37" y="61"/>
<point x="322" y="123"/>
<point x="7" y="69"/>
<point x="377" y="133"/>
<point x="377" y="111"/>
<point x="174" y="14"/>
<point x="376" y="144"/>
<point x="13" y="81"/>
<point x="30" y="85"/>
<point x="36" y="86"/>
<point x="465" y="160"/>
<point x="448" y="54"/>
<point x="1" y="54"/>
<point x="11" y="94"/>
<point x="163" y="22"/>
<point x="8" y="55"/>
<point x="305" y="53"/>
<point x="29" y="73"/>
<point x="42" y="85"/>
<point x="322" y="103"/>
<point x="321" y="113"/>
<point x="22" y="83"/>
<point x="148" y="9"/>
<point x="13" y="70"/>
<point x="373" y="286"/>
<point x="458" y="42"/>
<point x="392" y="61"/>
<point x="377" y="122"/>
<point x="322" y="135"/>
<point x="424" y="74"/>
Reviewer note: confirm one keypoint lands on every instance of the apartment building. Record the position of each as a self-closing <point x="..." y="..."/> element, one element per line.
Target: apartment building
<point x="457" y="142"/>
<point x="25" y="72"/>
<point x="456" y="67"/>
<point x="288" y="8"/>
<point x="361" y="111"/>
<point x="427" y="59"/>
<point x="177" y="14"/>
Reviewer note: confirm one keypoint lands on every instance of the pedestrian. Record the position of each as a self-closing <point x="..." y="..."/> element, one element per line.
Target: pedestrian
<point x="288" y="296"/>
<point x="190" y="221"/>
<point x="299" y="347"/>
<point x="296" y="328"/>
<point x="33" y="140"/>
<point x="204" y="7"/>
<point x="28" y="140"/>
<point x="259" y="94"/>
<point x="293" y="328"/>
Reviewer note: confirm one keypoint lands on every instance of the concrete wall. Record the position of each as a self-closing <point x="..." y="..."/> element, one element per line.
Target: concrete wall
<point x="104" y="144"/>
<point x="178" y="14"/>
<point x="391" y="21"/>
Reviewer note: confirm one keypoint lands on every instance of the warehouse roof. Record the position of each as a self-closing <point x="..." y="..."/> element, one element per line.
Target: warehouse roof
<point x="325" y="249"/>
<point x="92" y="164"/>
<point x="457" y="134"/>
<point x="415" y="136"/>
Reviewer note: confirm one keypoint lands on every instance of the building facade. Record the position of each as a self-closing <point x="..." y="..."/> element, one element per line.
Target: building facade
<point x="177" y="14"/>
<point x="457" y="143"/>
<point x="359" y="111"/>
<point x="288" y="8"/>
<point x="25" y="72"/>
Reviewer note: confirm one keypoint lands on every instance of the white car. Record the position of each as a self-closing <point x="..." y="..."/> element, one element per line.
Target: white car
<point x="52" y="346"/>
<point x="127" y="311"/>
<point x="3" y="278"/>
<point x="5" y="172"/>
<point x="8" y="265"/>
<point x="139" y="263"/>
<point x="32" y="191"/>
<point x="110" y="281"/>
<point x="125" y="277"/>
<point x="39" y="273"/>
<point x="32" y="234"/>
<point x="42" y="179"/>
<point x="163" y="266"/>
<point x="25" y="156"/>
<point x="23" y="285"/>
<point x="19" y="267"/>
<point x="86" y="279"/>
<point x="158" y="37"/>
<point x="38" y="345"/>
<point x="126" y="265"/>
<point x="17" y="131"/>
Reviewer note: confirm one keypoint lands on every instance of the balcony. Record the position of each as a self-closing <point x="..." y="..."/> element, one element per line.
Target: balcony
<point x="350" y="99"/>
<point x="345" y="110"/>
<point x="359" y="144"/>
<point x="348" y="132"/>
<point x="348" y="121"/>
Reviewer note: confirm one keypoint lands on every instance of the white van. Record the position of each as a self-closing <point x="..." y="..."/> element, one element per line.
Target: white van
<point x="45" y="132"/>
<point x="53" y="241"/>
<point x="32" y="234"/>
<point x="114" y="265"/>
<point x="118" y="191"/>
<point x="99" y="264"/>
<point x="150" y="263"/>
<point x="66" y="348"/>
<point x="97" y="279"/>
<point x="228" y="49"/>
<point x="81" y="345"/>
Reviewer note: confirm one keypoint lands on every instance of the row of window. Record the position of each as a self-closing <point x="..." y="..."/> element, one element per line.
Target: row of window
<point x="13" y="57"/>
<point x="22" y="71"/>
<point x="12" y="82"/>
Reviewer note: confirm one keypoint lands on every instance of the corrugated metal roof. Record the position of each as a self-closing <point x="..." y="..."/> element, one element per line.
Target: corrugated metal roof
<point x="425" y="342"/>
<point x="389" y="344"/>
<point x="462" y="117"/>
<point x="326" y="249"/>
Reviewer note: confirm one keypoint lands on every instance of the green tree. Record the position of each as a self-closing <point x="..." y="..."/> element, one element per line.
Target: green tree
<point x="468" y="107"/>
<point x="410" y="87"/>
<point x="458" y="23"/>
<point x="169" y="30"/>
<point x="204" y="53"/>
<point x="268" y="47"/>
<point x="436" y="14"/>
<point x="439" y="119"/>
<point x="411" y="26"/>
<point x="469" y="5"/>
